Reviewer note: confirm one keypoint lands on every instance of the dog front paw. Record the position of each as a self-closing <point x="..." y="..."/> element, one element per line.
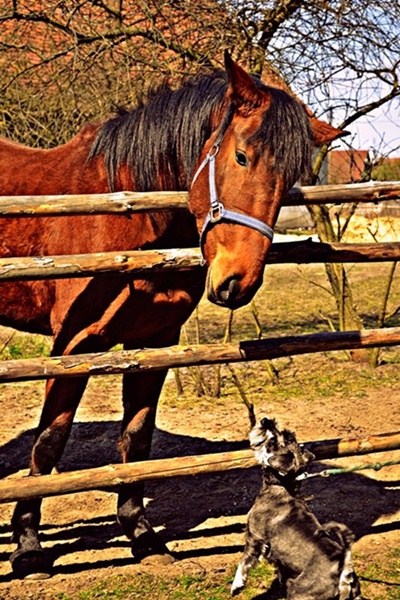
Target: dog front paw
<point x="239" y="582"/>
<point x="235" y="590"/>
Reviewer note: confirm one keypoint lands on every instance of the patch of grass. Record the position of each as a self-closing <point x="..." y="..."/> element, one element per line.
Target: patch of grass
<point x="14" y="345"/>
<point x="326" y="376"/>
<point x="190" y="586"/>
<point x="380" y="580"/>
<point x="294" y="300"/>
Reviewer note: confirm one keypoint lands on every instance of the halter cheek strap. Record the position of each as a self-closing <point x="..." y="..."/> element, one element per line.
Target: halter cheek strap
<point x="218" y="213"/>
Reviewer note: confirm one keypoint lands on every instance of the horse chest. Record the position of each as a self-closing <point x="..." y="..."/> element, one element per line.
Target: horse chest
<point x="135" y="312"/>
<point x="153" y="306"/>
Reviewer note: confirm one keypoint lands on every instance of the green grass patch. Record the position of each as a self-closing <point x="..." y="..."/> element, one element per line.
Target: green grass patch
<point x="179" y="587"/>
<point x="15" y="344"/>
<point x="293" y="300"/>
<point x="380" y="580"/>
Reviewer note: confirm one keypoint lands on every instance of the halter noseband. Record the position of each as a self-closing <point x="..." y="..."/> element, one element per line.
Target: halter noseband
<point x="218" y="213"/>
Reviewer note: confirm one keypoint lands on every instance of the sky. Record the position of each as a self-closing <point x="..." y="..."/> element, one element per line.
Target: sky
<point x="379" y="130"/>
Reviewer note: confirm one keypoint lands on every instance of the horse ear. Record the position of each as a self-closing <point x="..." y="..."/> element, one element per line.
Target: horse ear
<point x="323" y="132"/>
<point x="242" y="90"/>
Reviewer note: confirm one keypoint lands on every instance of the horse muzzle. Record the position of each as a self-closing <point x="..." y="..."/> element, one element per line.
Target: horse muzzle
<point x="230" y="292"/>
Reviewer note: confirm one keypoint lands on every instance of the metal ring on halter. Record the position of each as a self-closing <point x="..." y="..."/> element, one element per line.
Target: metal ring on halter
<point x="215" y="213"/>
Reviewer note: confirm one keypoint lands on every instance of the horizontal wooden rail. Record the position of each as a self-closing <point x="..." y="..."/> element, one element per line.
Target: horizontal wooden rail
<point x="129" y="202"/>
<point x="131" y="361"/>
<point x="119" y="203"/>
<point x="371" y="191"/>
<point x="111" y="476"/>
<point x="139" y="263"/>
<point x="135" y="262"/>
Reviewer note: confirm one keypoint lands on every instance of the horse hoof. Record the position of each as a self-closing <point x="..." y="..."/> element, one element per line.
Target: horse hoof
<point x="30" y="564"/>
<point x="149" y="548"/>
<point x="37" y="576"/>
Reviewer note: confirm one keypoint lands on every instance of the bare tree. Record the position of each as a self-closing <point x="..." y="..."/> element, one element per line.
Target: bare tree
<point x="342" y="58"/>
<point x="65" y="62"/>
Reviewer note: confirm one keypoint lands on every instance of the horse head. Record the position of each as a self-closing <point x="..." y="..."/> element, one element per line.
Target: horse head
<point x="260" y="146"/>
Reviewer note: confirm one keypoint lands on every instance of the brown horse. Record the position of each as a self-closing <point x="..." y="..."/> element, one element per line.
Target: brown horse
<point x="238" y="145"/>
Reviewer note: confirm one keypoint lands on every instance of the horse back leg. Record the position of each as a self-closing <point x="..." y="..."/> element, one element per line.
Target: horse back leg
<point x="140" y="397"/>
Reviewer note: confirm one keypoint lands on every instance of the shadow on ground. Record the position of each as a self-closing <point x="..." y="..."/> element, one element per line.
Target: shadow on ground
<point x="352" y="498"/>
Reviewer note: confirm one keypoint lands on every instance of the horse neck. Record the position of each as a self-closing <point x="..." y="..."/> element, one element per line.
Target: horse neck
<point x="60" y="170"/>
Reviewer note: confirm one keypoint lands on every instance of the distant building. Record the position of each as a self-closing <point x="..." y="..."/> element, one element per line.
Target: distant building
<point x="354" y="166"/>
<point x="341" y="167"/>
<point x="346" y="166"/>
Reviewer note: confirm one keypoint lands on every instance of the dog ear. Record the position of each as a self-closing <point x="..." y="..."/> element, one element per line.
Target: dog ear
<point x="289" y="437"/>
<point x="269" y="425"/>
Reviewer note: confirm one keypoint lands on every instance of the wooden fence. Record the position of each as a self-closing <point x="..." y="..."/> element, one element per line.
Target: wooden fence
<point x="138" y="263"/>
<point x="111" y="476"/>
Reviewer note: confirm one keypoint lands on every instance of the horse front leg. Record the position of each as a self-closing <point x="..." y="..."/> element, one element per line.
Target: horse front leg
<point x="62" y="399"/>
<point x="140" y="397"/>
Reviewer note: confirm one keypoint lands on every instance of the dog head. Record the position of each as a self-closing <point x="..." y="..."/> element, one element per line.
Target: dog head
<point x="278" y="450"/>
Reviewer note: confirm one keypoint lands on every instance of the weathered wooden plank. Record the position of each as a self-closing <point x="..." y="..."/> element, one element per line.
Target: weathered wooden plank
<point x="139" y="263"/>
<point x="371" y="191"/>
<point x="112" y="476"/>
<point x="122" y="203"/>
<point x="131" y="361"/>
<point x="130" y="202"/>
<point x="307" y="251"/>
<point x="136" y="262"/>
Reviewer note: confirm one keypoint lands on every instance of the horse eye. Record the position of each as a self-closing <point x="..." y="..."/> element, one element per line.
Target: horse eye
<point x="241" y="159"/>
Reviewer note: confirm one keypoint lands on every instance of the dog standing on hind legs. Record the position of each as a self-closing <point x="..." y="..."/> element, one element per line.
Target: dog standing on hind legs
<point x="313" y="561"/>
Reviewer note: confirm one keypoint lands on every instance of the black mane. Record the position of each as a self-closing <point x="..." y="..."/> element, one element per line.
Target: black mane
<point x="160" y="140"/>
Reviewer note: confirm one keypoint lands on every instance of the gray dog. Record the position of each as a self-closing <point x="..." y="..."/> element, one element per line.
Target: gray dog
<point x="313" y="560"/>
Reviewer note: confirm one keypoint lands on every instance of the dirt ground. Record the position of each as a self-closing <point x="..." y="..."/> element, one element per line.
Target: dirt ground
<point x="201" y="518"/>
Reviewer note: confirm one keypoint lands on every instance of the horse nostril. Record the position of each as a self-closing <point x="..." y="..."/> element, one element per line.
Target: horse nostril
<point x="228" y="290"/>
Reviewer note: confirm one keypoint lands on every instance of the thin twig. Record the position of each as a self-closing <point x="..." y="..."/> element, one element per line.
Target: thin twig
<point x="382" y="317"/>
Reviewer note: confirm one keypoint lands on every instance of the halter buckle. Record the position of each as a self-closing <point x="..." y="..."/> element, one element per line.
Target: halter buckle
<point x="216" y="213"/>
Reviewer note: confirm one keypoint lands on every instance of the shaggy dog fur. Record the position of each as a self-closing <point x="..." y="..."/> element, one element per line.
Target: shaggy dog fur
<point x="313" y="560"/>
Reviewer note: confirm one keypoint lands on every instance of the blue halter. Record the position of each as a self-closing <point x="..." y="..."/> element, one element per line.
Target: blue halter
<point x="218" y="213"/>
